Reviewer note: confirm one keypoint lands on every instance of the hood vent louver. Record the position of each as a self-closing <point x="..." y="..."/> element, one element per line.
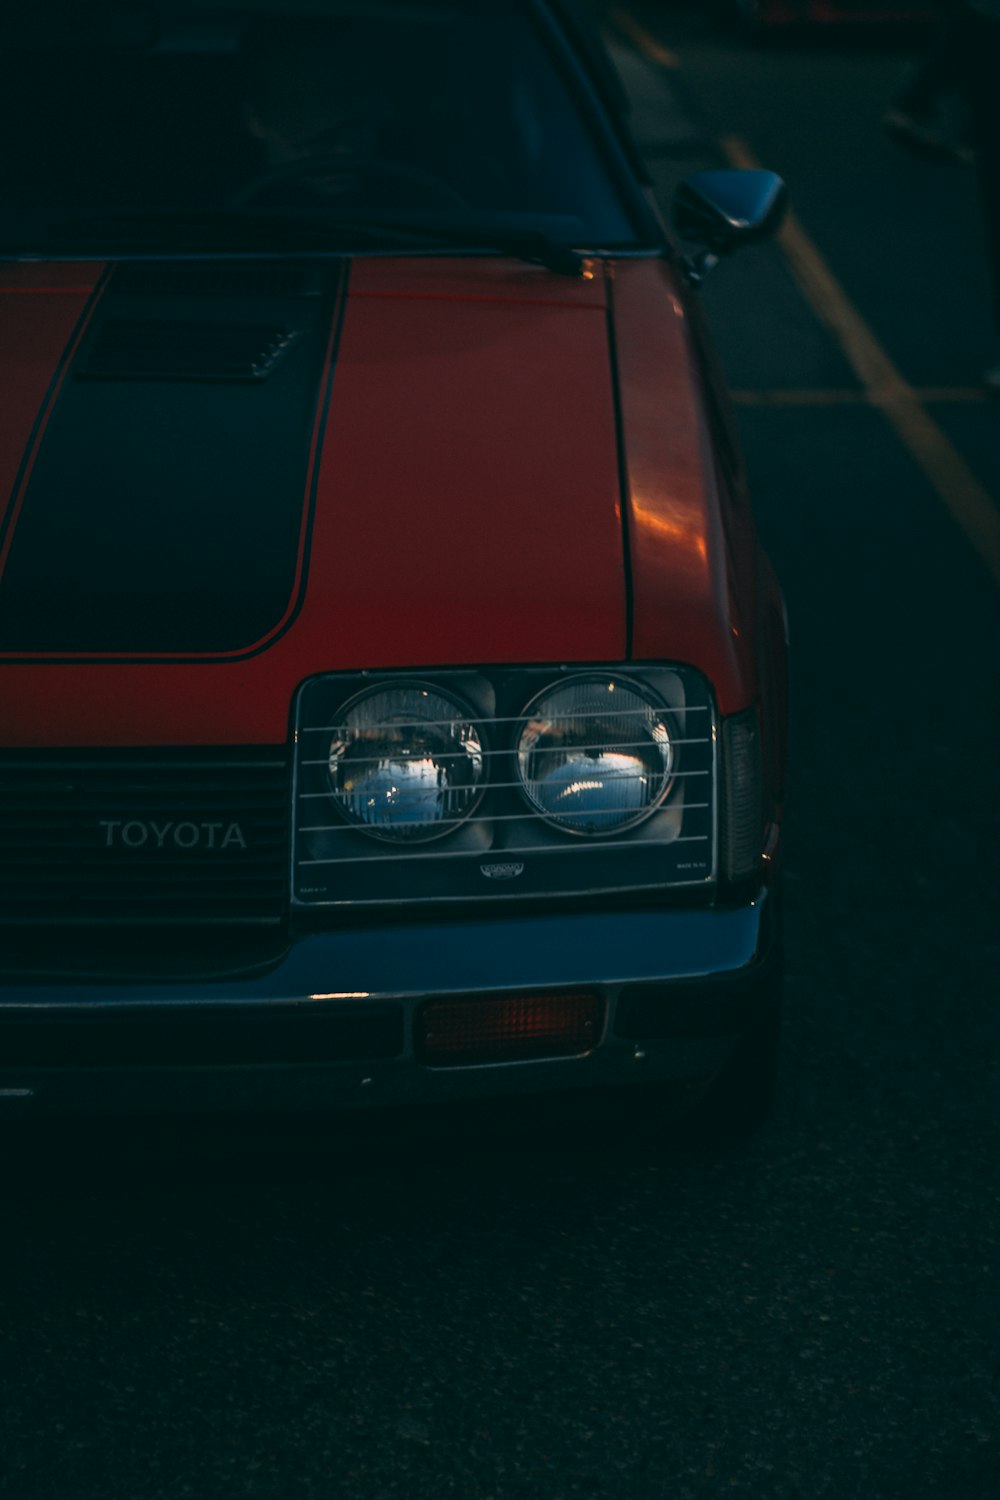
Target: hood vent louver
<point x="148" y="349"/>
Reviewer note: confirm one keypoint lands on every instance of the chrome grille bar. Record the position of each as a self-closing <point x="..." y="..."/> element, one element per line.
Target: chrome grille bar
<point x="611" y="713"/>
<point x="459" y="754"/>
<point x="457" y="822"/>
<point x="503" y="853"/>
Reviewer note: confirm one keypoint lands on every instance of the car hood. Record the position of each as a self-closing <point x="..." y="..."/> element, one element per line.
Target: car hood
<point x="222" y="486"/>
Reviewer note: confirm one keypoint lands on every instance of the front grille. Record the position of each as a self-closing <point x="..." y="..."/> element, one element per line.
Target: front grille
<point x="181" y="837"/>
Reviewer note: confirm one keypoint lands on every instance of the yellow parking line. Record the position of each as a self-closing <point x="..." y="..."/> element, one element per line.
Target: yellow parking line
<point x="965" y="497"/>
<point x="641" y="39"/>
<point x="943" y="395"/>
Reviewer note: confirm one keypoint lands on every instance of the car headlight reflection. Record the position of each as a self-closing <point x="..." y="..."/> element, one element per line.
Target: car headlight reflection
<point x="406" y="763"/>
<point x="594" y="755"/>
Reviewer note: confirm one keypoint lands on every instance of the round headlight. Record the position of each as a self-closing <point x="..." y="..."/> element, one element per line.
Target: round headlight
<point x="594" y="755"/>
<point x="406" y="762"/>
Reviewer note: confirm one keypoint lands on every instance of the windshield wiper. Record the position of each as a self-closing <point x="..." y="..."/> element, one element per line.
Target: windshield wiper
<point x="532" y="245"/>
<point x="219" y="229"/>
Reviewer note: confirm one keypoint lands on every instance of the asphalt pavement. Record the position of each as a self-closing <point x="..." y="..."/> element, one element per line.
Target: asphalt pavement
<point x="474" y="1306"/>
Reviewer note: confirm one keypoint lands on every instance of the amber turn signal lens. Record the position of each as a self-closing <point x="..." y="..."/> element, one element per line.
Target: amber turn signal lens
<point x="509" y="1028"/>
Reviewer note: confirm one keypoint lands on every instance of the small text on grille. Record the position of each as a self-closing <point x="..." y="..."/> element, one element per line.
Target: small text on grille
<point x="502" y="871"/>
<point x="133" y="834"/>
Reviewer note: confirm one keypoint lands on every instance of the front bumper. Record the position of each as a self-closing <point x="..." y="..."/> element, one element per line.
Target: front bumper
<point x="331" y="1025"/>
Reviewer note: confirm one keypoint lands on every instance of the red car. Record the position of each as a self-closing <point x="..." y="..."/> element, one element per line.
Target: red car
<point x="391" y="677"/>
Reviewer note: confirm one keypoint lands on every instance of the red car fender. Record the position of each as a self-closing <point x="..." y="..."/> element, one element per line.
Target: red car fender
<point x="692" y="582"/>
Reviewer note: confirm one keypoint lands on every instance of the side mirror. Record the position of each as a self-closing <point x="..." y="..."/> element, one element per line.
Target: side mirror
<point x="724" y="210"/>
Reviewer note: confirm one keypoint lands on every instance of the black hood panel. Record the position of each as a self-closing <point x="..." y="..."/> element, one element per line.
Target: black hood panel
<point x="168" y="507"/>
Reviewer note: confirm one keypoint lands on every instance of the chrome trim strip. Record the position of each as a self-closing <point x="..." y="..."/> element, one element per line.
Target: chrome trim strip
<point x="457" y="754"/>
<point x="502" y="785"/>
<point x="490" y="818"/>
<point x="500" y="854"/>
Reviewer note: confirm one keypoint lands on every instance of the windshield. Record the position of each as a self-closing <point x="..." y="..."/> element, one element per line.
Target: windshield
<point x="176" y="127"/>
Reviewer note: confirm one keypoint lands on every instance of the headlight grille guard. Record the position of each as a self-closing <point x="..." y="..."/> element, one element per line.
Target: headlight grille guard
<point x="505" y="850"/>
